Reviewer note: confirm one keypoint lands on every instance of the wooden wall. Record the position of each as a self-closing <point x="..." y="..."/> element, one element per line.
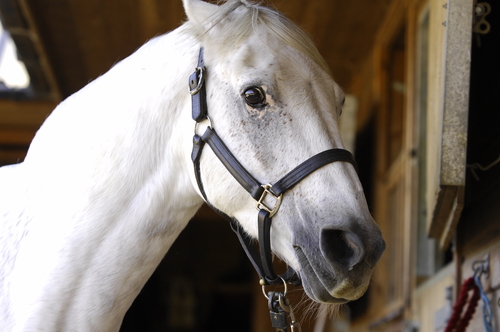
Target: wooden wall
<point x="402" y="102"/>
<point x="19" y="122"/>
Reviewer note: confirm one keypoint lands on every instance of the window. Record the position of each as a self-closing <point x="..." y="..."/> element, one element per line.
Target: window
<point x="13" y="73"/>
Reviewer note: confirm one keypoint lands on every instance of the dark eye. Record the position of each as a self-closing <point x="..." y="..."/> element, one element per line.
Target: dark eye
<point x="254" y="96"/>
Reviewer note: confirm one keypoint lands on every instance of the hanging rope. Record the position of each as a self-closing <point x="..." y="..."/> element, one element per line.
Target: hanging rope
<point x="457" y="322"/>
<point x="487" y="313"/>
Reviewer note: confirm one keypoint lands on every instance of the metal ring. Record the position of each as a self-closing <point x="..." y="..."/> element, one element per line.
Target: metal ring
<point x="196" y="124"/>
<point x="263" y="283"/>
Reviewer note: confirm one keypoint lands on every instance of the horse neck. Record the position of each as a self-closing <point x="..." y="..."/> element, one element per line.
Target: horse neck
<point x="109" y="193"/>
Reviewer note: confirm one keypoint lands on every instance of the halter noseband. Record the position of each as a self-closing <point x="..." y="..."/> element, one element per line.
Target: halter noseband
<point x="262" y="261"/>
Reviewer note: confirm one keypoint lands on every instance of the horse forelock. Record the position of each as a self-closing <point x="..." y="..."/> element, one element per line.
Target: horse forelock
<point x="236" y="20"/>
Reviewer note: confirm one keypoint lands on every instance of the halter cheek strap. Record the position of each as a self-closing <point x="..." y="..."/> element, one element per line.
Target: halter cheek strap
<point x="262" y="260"/>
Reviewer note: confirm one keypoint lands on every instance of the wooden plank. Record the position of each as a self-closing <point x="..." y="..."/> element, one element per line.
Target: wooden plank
<point x="30" y="114"/>
<point x="446" y="196"/>
<point x="57" y="33"/>
<point x="454" y="213"/>
<point x="437" y="33"/>
<point x="15" y="137"/>
<point x="90" y="21"/>
<point x="43" y="60"/>
<point x="448" y="146"/>
<point x="431" y="306"/>
<point x="387" y="291"/>
<point x="19" y="122"/>
<point x="456" y="92"/>
<point x="157" y="17"/>
<point x="410" y="168"/>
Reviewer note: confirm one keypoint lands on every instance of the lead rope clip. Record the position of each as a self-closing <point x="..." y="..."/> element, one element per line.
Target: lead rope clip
<point x="280" y="310"/>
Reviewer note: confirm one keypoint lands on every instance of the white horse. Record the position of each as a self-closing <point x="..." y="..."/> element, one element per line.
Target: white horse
<point x="108" y="183"/>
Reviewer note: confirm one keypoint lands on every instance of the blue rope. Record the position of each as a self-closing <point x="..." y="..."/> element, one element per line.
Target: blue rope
<point x="487" y="313"/>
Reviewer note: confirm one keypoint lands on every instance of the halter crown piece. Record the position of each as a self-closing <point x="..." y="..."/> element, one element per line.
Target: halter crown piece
<point x="262" y="261"/>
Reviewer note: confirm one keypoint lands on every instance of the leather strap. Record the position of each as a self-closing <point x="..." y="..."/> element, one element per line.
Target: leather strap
<point x="245" y="179"/>
<point x="263" y="266"/>
<point x="198" y="90"/>
<point x="249" y="248"/>
<point x="310" y="165"/>
<point x="195" y="156"/>
<point x="265" y="246"/>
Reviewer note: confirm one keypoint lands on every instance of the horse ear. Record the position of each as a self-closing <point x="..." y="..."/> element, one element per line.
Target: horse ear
<point x="199" y="11"/>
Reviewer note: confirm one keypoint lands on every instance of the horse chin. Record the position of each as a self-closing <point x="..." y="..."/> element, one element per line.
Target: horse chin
<point x="320" y="294"/>
<point x="323" y="285"/>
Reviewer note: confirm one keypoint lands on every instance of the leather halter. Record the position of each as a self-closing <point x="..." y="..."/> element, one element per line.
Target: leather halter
<point x="262" y="261"/>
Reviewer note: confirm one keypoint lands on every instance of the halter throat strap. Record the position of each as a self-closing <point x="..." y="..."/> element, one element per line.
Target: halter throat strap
<point x="262" y="259"/>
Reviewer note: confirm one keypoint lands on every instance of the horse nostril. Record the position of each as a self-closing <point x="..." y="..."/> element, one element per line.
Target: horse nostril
<point x="342" y="248"/>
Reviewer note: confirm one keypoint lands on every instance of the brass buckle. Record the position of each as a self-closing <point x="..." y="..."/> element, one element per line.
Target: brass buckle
<point x="261" y="205"/>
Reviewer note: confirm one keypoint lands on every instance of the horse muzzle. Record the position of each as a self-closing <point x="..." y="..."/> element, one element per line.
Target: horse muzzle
<point x="341" y="269"/>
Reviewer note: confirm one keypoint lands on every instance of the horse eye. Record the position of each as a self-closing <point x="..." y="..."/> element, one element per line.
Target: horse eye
<point x="254" y="96"/>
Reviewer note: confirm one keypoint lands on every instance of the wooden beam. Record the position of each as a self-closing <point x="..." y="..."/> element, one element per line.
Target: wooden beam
<point x="27" y="114"/>
<point x="19" y="137"/>
<point x="43" y="60"/>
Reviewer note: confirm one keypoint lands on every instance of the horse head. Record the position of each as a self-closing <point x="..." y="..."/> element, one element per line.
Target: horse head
<point x="274" y="104"/>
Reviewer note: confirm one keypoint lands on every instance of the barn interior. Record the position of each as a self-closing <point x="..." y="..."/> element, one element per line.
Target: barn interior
<point x="205" y="282"/>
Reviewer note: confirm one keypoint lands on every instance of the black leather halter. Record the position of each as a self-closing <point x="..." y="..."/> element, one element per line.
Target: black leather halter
<point x="262" y="261"/>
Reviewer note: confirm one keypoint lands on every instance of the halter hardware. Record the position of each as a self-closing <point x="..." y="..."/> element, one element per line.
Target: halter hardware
<point x="260" y="204"/>
<point x="261" y="259"/>
<point x="201" y="79"/>
<point x="263" y="284"/>
<point x="197" y="124"/>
